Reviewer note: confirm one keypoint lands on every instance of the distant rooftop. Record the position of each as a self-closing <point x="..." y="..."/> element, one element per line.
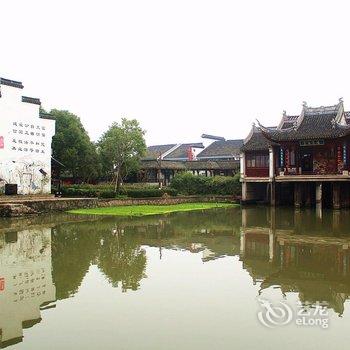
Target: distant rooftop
<point x="153" y="152"/>
<point x="171" y="151"/>
<point x="221" y="149"/>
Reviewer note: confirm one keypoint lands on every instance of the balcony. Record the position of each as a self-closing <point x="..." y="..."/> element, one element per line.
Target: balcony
<point x="297" y="174"/>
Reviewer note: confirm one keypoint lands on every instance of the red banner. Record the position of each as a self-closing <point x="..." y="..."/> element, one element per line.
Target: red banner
<point x="2" y="144"/>
<point x="2" y="284"/>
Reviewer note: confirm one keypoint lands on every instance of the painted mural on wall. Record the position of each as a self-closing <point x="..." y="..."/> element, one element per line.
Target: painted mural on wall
<point x="27" y="174"/>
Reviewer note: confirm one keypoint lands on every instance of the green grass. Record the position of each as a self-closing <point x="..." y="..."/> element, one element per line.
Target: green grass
<point x="141" y="210"/>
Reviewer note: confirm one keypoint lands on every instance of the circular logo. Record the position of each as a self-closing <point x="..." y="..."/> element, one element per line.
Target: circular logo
<point x="274" y="315"/>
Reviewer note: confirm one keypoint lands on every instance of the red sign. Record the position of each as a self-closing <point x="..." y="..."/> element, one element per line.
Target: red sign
<point x="2" y="284"/>
<point x="2" y="144"/>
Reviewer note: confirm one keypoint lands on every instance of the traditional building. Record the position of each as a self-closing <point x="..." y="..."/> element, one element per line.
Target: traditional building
<point x="221" y="157"/>
<point x="162" y="162"/>
<point x="304" y="160"/>
<point x="25" y="142"/>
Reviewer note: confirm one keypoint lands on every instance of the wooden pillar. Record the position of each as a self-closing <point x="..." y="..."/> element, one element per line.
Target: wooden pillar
<point x="336" y="195"/>
<point x="271" y="163"/>
<point x="297" y="195"/>
<point x="244" y="191"/>
<point x="242" y="164"/>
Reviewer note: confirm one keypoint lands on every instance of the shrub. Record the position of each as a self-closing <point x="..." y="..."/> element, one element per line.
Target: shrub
<point x="78" y="192"/>
<point x="107" y="191"/>
<point x="170" y="191"/>
<point x="189" y="184"/>
<point x="144" y="193"/>
<point x="107" y="194"/>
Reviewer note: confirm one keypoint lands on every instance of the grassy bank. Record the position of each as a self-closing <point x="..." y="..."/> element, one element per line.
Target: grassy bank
<point x="141" y="210"/>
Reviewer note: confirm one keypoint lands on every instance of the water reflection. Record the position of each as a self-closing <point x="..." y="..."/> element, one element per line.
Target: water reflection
<point x="45" y="260"/>
<point x="297" y="251"/>
<point x="25" y="281"/>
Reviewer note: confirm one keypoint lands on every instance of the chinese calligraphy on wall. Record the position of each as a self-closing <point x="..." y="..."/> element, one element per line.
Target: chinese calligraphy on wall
<point x="29" y="138"/>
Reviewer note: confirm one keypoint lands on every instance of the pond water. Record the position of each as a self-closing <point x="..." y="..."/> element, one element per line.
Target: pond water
<point x="225" y="279"/>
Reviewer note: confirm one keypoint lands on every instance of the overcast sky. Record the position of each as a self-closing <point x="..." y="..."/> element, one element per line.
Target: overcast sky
<point x="182" y="68"/>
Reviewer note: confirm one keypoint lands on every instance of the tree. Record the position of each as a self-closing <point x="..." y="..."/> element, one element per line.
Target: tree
<point x="121" y="148"/>
<point x="72" y="146"/>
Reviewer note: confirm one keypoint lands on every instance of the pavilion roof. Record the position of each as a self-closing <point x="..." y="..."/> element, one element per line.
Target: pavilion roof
<point x="256" y="141"/>
<point x="325" y="122"/>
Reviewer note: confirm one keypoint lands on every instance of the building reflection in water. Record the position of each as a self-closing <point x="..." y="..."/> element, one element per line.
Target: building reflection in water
<point x="25" y="281"/>
<point x="298" y="252"/>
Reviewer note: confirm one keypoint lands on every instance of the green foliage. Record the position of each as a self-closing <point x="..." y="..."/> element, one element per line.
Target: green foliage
<point x="72" y="147"/>
<point x="78" y="192"/>
<point x="107" y="194"/>
<point x="189" y="184"/>
<point x="121" y="148"/>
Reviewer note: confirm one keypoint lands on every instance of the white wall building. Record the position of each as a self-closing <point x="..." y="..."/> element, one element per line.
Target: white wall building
<point x="25" y="141"/>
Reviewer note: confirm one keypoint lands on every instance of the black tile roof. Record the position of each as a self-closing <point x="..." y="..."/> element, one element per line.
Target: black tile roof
<point x="212" y="165"/>
<point x="47" y="116"/>
<point x="153" y="152"/>
<point x="221" y="149"/>
<point x="181" y="152"/>
<point x="256" y="141"/>
<point x="13" y="83"/>
<point x="32" y="100"/>
<point x="164" y="164"/>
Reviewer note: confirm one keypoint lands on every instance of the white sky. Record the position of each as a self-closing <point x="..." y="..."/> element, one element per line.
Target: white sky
<point x="182" y="67"/>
